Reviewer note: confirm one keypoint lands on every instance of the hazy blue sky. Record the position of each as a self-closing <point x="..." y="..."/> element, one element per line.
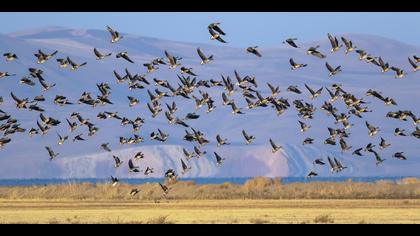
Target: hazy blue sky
<point x="243" y="29"/>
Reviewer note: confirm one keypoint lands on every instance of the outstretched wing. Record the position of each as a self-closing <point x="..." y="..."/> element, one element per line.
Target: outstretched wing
<point x="97" y="53"/>
<point x="219" y="30"/>
<point x="329" y="67"/>
<point x="15" y="98"/>
<point x="309" y="89"/>
<point x="200" y="53"/>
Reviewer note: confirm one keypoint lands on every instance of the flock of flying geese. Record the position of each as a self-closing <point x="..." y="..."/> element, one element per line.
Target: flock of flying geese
<point x="187" y="85"/>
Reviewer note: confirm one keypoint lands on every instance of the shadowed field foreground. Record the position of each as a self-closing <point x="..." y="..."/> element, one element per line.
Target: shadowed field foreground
<point x="258" y="201"/>
<point x="211" y="211"/>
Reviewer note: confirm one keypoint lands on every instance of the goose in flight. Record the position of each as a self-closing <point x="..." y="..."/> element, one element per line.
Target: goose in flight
<point x="274" y="147"/>
<point x="254" y="51"/>
<point x="248" y="138"/>
<point x="199" y="152"/>
<point x="414" y="65"/>
<point x="172" y="108"/>
<point x="294" y="89"/>
<point x="333" y="165"/>
<point x="78" y="138"/>
<point x="105" y="146"/>
<point x="192" y="116"/>
<point x="149" y="171"/>
<point x="330" y="141"/>
<point x="4" y="141"/>
<point x="61" y="139"/>
<point x="308" y="141"/>
<point x="44" y="129"/>
<point x="313" y="93"/>
<point x="215" y="26"/>
<point x="132" y="101"/>
<point x="117" y="161"/>
<point x="399" y="73"/>
<point x="349" y="45"/>
<point x="216" y="35"/>
<point x="20" y="103"/>
<point x="338" y="166"/>
<point x="10" y="56"/>
<point x="124" y="55"/>
<point x="62" y="63"/>
<point x="358" y="152"/>
<point x="369" y="148"/>
<point x="400" y="156"/>
<point x="314" y="52"/>
<point x="171" y="174"/>
<point x="172" y="60"/>
<point x="378" y="158"/>
<point x="32" y="132"/>
<point x="5" y="74"/>
<point x="304" y="127"/>
<point x="43" y="57"/>
<point x="221" y="141"/>
<point x="204" y="58"/>
<point x="188" y="155"/>
<point x="291" y="42"/>
<point x="134" y="192"/>
<point x="344" y="146"/>
<point x="312" y="174"/>
<point x="399" y="132"/>
<point x="333" y="71"/>
<point x="150" y="67"/>
<point x="362" y="54"/>
<point x="185" y="168"/>
<point x="72" y="125"/>
<point x="115" y="36"/>
<point x="295" y="65"/>
<point x="164" y="188"/>
<point x="235" y="109"/>
<point x="45" y="86"/>
<point x="383" y="144"/>
<point x="74" y="65"/>
<point x="154" y="110"/>
<point x="335" y="46"/>
<point x="114" y="181"/>
<point x="61" y="100"/>
<point x="318" y="161"/>
<point x="99" y="55"/>
<point x="185" y="70"/>
<point x="416" y="133"/>
<point x="384" y="66"/>
<point x="131" y="167"/>
<point x="274" y="90"/>
<point x="138" y="156"/>
<point x="372" y="130"/>
<point x="27" y="81"/>
<point x="51" y="153"/>
<point x="219" y="159"/>
<point x="333" y="95"/>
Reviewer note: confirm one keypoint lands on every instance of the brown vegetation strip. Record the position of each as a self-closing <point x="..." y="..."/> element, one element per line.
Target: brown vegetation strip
<point x="258" y="188"/>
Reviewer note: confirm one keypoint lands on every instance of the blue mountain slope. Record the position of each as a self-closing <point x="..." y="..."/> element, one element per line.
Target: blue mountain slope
<point x="26" y="157"/>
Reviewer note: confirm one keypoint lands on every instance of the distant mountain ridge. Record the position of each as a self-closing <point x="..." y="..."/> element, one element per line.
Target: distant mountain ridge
<point x="86" y="160"/>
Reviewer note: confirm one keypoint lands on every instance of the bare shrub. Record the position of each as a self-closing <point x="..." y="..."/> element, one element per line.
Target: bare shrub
<point x="323" y="219"/>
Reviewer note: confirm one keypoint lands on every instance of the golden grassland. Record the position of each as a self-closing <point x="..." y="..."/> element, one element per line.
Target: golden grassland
<point x="210" y="211"/>
<point x="258" y="201"/>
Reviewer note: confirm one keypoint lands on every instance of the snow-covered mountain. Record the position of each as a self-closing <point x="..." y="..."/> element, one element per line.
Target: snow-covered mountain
<point x="26" y="157"/>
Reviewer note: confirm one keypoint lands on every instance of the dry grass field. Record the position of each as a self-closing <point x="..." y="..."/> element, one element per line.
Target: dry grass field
<point x="259" y="201"/>
<point x="211" y="211"/>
